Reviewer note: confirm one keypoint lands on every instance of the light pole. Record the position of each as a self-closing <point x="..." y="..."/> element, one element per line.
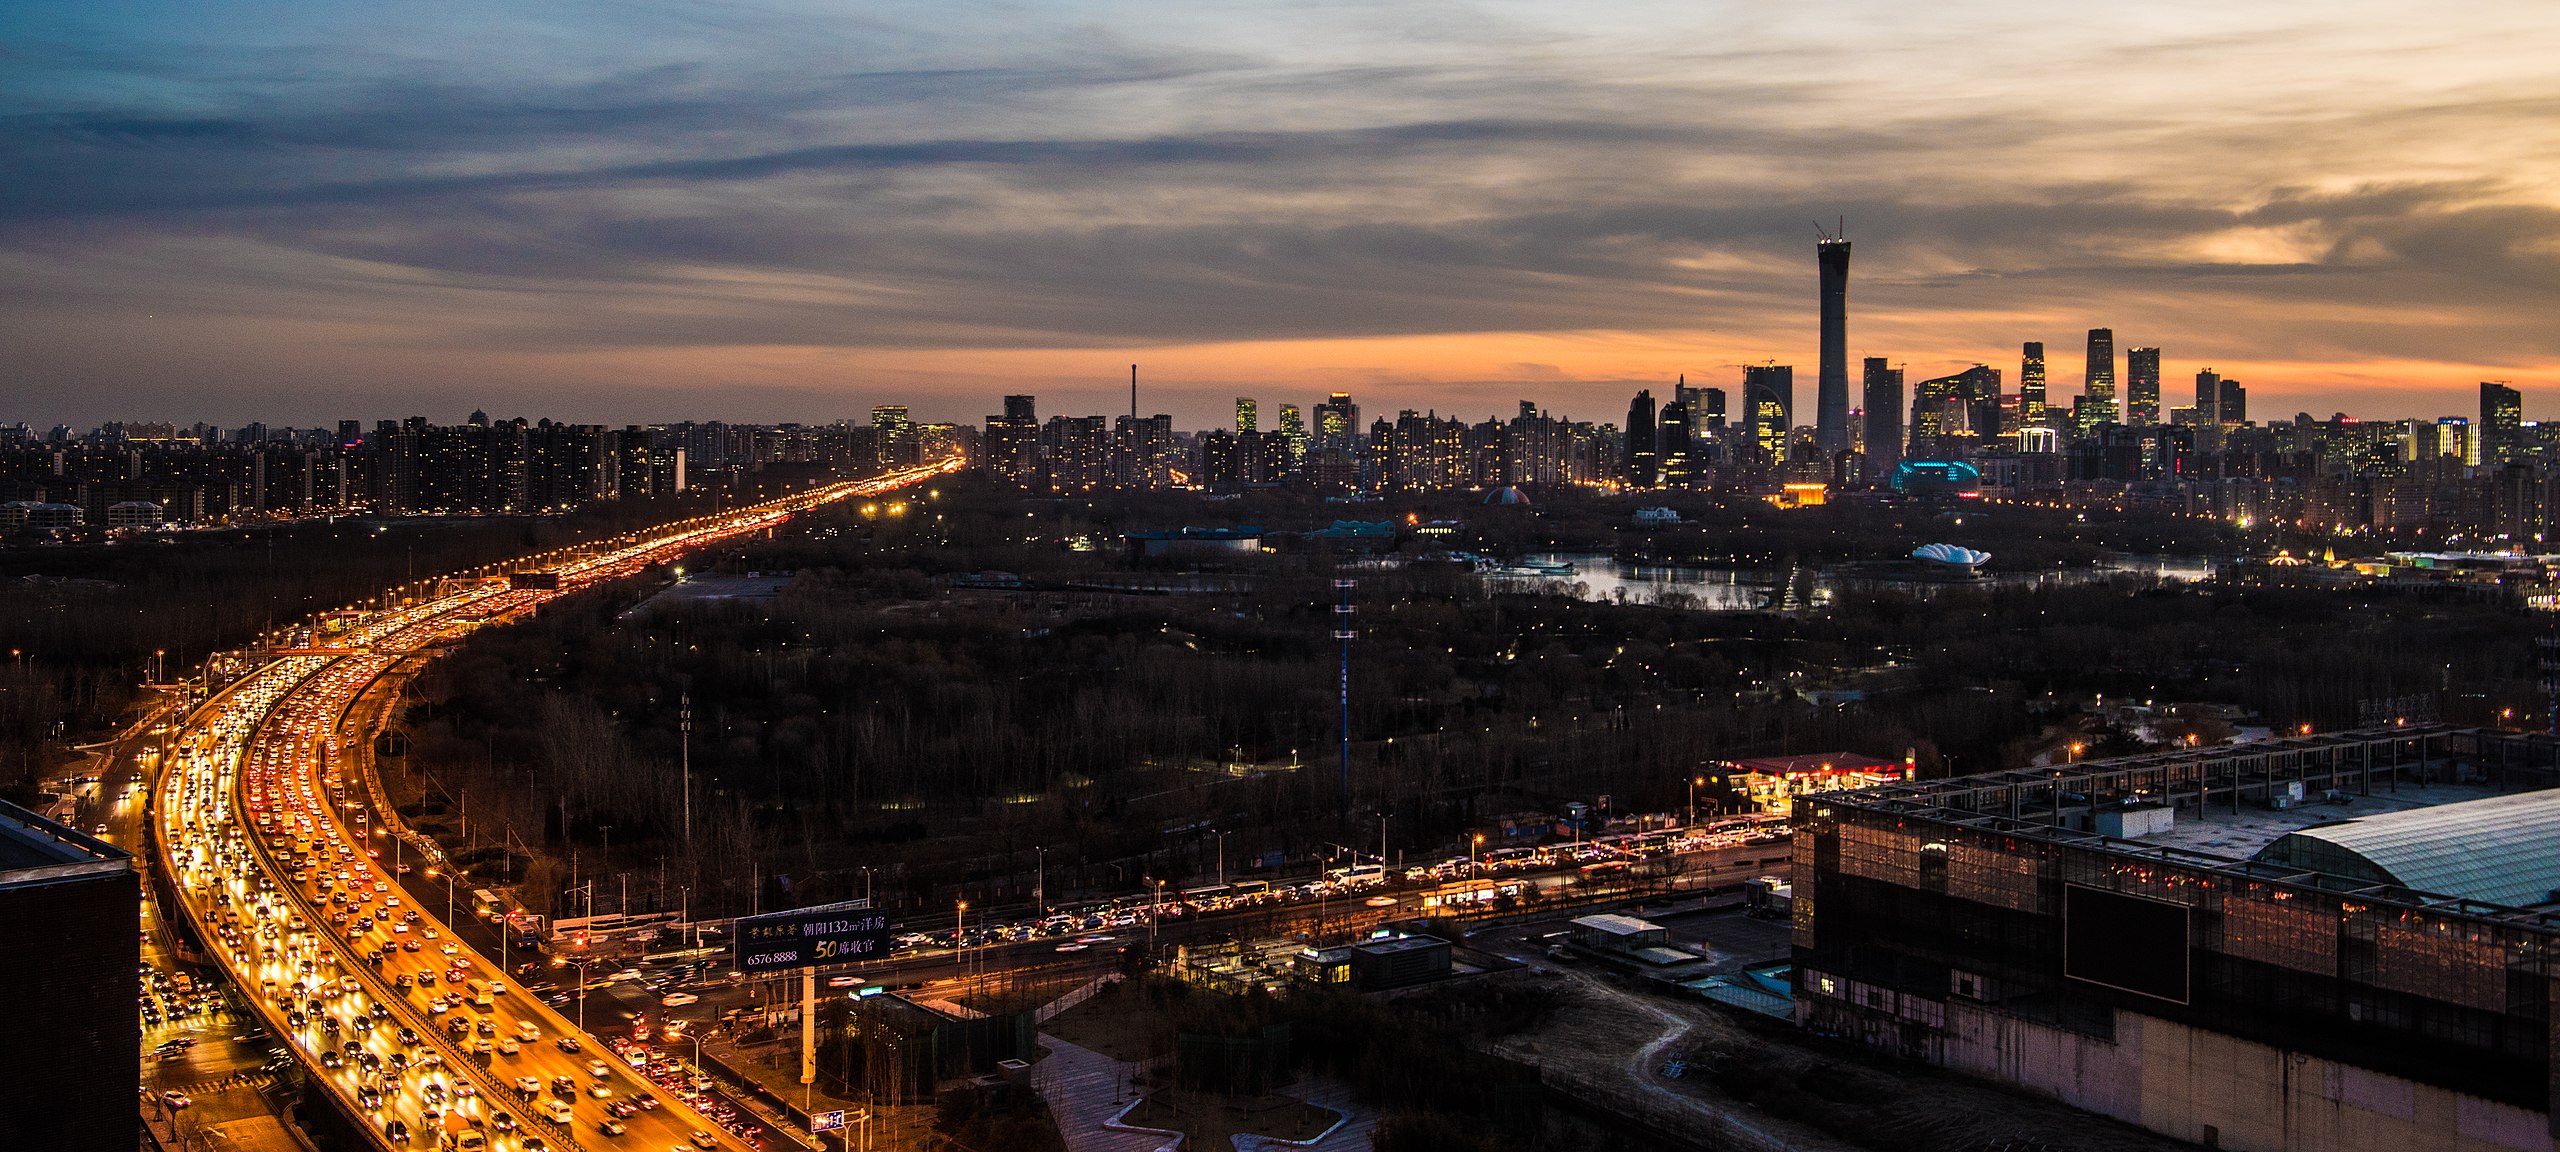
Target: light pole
<point x="1695" y="782"/>
<point x="1222" y="859"/>
<point x="960" y="934"/>
<point x="1039" y="879"/>
<point x="684" y="728"/>
<point x="1473" y="844"/>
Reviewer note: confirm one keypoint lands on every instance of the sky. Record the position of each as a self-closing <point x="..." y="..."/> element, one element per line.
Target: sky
<point x="297" y="211"/>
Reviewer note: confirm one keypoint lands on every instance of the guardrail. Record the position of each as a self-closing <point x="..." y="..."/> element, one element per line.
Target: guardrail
<point x="271" y="1019"/>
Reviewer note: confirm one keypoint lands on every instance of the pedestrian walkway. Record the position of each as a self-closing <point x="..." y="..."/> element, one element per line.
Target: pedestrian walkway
<point x="1086" y="1091"/>
<point x="1351" y="1135"/>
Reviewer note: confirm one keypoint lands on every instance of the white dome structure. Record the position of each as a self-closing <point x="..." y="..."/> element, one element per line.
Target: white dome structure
<point x="1951" y="555"/>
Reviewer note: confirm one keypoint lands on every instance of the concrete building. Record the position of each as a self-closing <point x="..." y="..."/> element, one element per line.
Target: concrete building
<point x="2193" y="942"/>
<point x="69" y="1066"/>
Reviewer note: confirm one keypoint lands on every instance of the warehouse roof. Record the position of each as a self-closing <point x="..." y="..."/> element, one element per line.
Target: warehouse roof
<point x="2501" y="850"/>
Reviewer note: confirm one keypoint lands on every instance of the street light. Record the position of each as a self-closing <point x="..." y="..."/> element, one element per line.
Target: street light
<point x="1472" y="846"/>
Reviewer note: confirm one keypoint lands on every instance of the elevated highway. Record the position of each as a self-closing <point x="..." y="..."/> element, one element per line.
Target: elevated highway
<point x="421" y="1039"/>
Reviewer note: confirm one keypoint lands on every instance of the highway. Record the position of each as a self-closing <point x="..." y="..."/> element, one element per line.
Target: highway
<point x="376" y="996"/>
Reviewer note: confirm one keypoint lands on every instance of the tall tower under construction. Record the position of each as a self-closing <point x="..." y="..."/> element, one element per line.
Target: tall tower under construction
<point x="1831" y="389"/>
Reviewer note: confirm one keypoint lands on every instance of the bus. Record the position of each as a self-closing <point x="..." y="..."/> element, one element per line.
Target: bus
<point x="1359" y="875"/>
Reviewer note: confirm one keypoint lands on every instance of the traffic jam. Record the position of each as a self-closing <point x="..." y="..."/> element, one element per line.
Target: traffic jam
<point x="290" y="890"/>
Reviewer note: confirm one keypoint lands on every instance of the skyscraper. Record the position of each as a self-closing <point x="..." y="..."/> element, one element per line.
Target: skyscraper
<point x="1293" y="432"/>
<point x="2030" y="385"/>
<point x="2501" y="422"/>
<point x="1336" y="450"/>
<point x="2209" y="398"/>
<point x="1831" y="388"/>
<point x="2098" y="381"/>
<point x="1769" y="403"/>
<point x="1247" y="415"/>
<point x="2142" y="386"/>
<point x="1643" y="460"/>
<point x="1883" y="402"/>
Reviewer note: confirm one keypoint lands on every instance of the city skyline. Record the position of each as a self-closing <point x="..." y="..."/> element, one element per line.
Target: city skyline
<point x="1441" y="214"/>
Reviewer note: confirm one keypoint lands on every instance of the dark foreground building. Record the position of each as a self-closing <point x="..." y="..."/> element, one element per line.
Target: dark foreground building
<point x="70" y="1042"/>
<point x="2195" y="943"/>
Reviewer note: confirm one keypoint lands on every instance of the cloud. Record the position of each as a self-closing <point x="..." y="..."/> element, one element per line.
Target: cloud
<point x="1639" y="187"/>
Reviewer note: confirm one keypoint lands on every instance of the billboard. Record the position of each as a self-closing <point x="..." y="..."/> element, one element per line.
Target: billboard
<point x="2128" y="943"/>
<point x="808" y="937"/>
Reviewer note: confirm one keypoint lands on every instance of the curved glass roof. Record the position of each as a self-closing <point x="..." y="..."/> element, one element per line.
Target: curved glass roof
<point x="2501" y="850"/>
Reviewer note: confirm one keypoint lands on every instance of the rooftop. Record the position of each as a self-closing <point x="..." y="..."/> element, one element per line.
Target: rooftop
<point x="2501" y="849"/>
<point x="2223" y="832"/>
<point x="1616" y="925"/>
<point x="34" y="850"/>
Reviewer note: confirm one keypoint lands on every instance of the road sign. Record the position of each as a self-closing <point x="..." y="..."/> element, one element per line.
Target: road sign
<point x="826" y="1122"/>
<point x="807" y="937"/>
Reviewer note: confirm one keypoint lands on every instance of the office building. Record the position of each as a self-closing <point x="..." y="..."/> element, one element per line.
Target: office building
<point x="1831" y="385"/>
<point x="2031" y="395"/>
<point x="1883" y="400"/>
<point x="893" y="435"/>
<point x="2501" y="422"/>
<point x="1643" y="450"/>
<point x="1769" y="403"/>
<point x="1293" y="433"/>
<point x="1248" y="415"/>
<point x="69" y="1065"/>
<point x="2315" y="944"/>
<point x="1952" y="415"/>
<point x="2142" y="386"/>
<point x="2098" y="384"/>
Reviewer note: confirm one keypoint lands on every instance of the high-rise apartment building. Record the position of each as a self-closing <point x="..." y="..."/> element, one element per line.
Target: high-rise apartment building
<point x="2142" y="386"/>
<point x="1831" y="385"/>
<point x="1012" y="442"/>
<point x="1248" y="415"/>
<point x="1334" y="451"/>
<point x="69" y="1077"/>
<point x="1883" y="400"/>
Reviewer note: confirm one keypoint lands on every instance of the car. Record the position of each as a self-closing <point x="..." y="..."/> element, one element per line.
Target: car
<point x="396" y="1131"/>
<point x="507" y="1046"/>
<point x="702" y="1139"/>
<point x="175" y="1099"/>
<point x="600" y="1090"/>
<point x="598" y="1068"/>
<point x="612" y="1127"/>
<point x="557" y="1111"/>
<point x="502" y="1122"/>
<point x="528" y="1086"/>
<point x="569" y="1044"/>
<point x="678" y="999"/>
<point x="526" y="1032"/>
